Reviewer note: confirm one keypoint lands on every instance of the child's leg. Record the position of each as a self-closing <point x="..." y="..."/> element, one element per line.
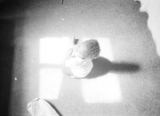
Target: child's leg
<point x="39" y="107"/>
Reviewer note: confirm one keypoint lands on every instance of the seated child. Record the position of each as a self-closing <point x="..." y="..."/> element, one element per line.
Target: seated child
<point x="79" y="58"/>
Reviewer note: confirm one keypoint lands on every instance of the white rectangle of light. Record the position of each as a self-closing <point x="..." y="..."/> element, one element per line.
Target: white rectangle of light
<point x="106" y="48"/>
<point x="50" y="83"/>
<point x="53" y="50"/>
<point x="105" y="89"/>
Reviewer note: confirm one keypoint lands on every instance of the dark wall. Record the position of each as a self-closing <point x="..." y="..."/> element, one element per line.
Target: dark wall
<point x="6" y="61"/>
<point x="9" y="11"/>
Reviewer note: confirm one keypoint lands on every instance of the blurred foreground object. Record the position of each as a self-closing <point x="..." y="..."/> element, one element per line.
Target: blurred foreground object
<point x="39" y="107"/>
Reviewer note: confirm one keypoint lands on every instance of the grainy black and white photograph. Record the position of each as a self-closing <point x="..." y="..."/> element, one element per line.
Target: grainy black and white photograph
<point x="79" y="58"/>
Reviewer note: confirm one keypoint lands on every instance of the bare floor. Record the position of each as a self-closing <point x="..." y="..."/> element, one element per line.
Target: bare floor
<point x="125" y="80"/>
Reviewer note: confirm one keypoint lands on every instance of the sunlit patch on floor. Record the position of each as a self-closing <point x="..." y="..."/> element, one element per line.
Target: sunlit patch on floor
<point x="52" y="50"/>
<point x="106" y="88"/>
<point x="51" y="53"/>
<point x="50" y="83"/>
<point x="106" y="48"/>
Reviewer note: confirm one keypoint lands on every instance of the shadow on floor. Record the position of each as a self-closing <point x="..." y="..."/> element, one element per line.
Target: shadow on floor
<point x="103" y="66"/>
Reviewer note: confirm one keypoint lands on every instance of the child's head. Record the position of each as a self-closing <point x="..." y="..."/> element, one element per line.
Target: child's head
<point x="88" y="49"/>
